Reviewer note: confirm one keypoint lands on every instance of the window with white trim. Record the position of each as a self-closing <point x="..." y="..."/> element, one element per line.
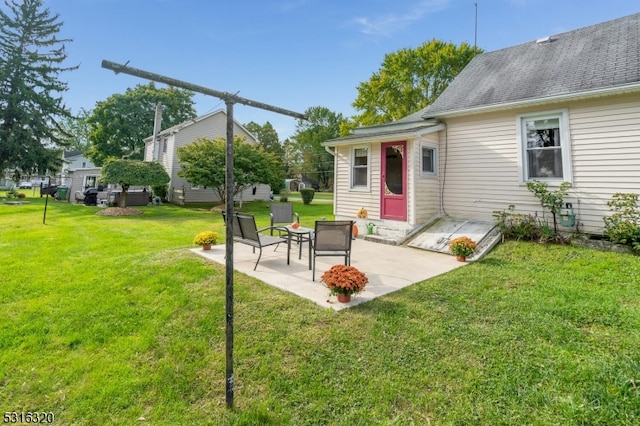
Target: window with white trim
<point x="544" y="143"/>
<point x="165" y="143"/>
<point x="428" y="160"/>
<point x="90" y="181"/>
<point x="360" y="167"/>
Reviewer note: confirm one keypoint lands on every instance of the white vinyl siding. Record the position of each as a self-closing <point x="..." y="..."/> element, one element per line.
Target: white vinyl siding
<point x="348" y="200"/>
<point x="424" y="189"/>
<point x="483" y="158"/>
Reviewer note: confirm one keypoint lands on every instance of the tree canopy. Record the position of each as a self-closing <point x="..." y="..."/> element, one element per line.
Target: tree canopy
<point x="119" y="125"/>
<point x="77" y="131"/>
<point x="127" y="173"/>
<point x="267" y="137"/>
<point x="203" y="162"/>
<point x="31" y="105"/>
<point x="322" y="125"/>
<point x="409" y="80"/>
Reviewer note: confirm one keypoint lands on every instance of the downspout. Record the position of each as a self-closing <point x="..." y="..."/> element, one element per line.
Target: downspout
<point x="444" y="168"/>
<point x="335" y="193"/>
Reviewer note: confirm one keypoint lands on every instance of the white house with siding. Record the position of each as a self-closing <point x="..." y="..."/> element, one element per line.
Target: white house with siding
<point x="164" y="149"/>
<point x="562" y="108"/>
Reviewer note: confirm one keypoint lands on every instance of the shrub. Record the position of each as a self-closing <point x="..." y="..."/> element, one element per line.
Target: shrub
<point x="623" y="226"/>
<point x="160" y="191"/>
<point x="517" y="226"/>
<point x="307" y="195"/>
<point x="550" y="200"/>
<point x="284" y="195"/>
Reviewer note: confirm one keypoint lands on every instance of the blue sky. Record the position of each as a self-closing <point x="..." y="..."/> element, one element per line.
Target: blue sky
<point x="293" y="54"/>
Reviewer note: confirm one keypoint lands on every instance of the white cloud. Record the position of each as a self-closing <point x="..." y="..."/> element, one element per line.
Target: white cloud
<point x="386" y="25"/>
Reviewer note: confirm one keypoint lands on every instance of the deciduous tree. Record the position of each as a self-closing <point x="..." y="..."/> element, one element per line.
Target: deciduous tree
<point x="31" y="105"/>
<point x="119" y="125"/>
<point x="321" y="125"/>
<point x="409" y="80"/>
<point x="127" y="173"/>
<point x="267" y="137"/>
<point x="77" y="131"/>
<point x="203" y="162"/>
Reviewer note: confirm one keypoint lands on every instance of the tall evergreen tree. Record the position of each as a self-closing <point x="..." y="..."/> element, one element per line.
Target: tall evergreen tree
<point x="31" y="105"/>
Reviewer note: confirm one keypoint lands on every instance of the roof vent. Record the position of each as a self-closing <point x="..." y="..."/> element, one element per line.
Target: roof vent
<point x="547" y="39"/>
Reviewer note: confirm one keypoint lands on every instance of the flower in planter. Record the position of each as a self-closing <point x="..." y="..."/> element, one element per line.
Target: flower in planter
<point x="344" y="279"/>
<point x="205" y="237"/>
<point x="462" y="246"/>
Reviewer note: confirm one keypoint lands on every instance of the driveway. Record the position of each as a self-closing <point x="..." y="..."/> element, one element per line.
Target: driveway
<point x="389" y="268"/>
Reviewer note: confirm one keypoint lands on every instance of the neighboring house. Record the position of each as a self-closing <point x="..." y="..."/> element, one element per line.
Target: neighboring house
<point x="78" y="173"/>
<point x="164" y="150"/>
<point x="562" y="108"/>
<point x="73" y="160"/>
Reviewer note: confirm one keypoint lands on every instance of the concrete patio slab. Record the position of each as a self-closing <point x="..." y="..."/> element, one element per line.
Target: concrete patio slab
<point x="389" y="268"/>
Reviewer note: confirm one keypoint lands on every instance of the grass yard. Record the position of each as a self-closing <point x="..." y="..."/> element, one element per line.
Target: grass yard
<point x="111" y="320"/>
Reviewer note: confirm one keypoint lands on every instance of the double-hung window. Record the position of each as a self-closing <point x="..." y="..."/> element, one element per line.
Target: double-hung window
<point x="544" y="143"/>
<point x="360" y="167"/>
<point x="428" y="160"/>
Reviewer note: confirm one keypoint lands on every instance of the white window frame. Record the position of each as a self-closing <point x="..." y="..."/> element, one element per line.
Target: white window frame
<point x="352" y="166"/>
<point x="565" y="146"/>
<point x="434" y="148"/>
<point x="88" y="178"/>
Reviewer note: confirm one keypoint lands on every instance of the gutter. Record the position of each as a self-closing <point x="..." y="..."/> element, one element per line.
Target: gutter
<point x="386" y="137"/>
<point x="609" y="91"/>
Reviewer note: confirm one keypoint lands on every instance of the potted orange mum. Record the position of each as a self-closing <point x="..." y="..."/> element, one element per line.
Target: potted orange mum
<point x="462" y="247"/>
<point x="343" y="281"/>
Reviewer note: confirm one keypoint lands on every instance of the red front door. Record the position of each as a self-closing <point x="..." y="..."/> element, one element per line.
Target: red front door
<point x="393" y="198"/>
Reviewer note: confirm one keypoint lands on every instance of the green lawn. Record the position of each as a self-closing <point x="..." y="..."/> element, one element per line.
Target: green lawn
<point x="111" y="320"/>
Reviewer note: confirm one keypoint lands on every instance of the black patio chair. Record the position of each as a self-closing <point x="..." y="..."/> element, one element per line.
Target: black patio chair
<point x="332" y="238"/>
<point x="282" y="213"/>
<point x="250" y="235"/>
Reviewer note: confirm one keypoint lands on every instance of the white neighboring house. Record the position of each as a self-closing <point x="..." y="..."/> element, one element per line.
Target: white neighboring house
<point x="75" y="160"/>
<point x="165" y="151"/>
<point x="78" y="173"/>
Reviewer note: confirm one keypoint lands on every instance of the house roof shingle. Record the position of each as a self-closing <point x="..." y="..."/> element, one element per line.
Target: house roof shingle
<point x="601" y="56"/>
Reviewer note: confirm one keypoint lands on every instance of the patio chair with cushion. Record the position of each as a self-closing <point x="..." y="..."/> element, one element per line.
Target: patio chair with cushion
<point x="332" y="238"/>
<point x="282" y="213"/>
<point x="248" y="233"/>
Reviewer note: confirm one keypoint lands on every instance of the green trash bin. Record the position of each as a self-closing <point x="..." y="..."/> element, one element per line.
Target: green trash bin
<point x="62" y="193"/>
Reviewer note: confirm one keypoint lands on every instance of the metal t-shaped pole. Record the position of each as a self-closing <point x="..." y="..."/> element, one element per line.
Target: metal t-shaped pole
<point x="229" y="100"/>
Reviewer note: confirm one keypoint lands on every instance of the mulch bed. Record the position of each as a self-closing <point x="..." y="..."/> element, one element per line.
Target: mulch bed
<point x="119" y="211"/>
